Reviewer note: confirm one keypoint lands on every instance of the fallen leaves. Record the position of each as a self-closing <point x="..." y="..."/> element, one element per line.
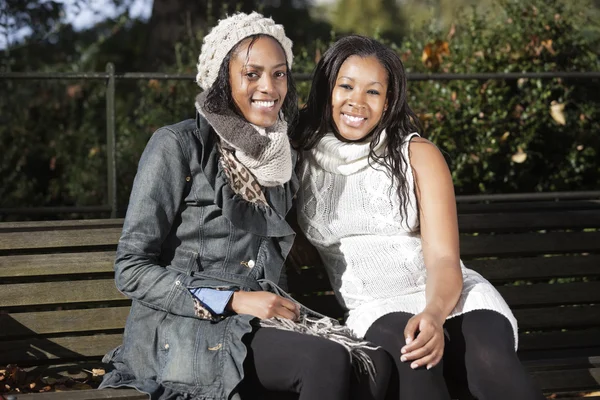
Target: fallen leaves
<point x="557" y="112"/>
<point x="434" y="52"/>
<point x="519" y="157"/>
<point x="17" y="380"/>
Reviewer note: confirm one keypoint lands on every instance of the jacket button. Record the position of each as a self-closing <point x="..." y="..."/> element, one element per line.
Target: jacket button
<point x="251" y="264"/>
<point x="177" y="283"/>
<point x="188" y="178"/>
<point x="167" y="346"/>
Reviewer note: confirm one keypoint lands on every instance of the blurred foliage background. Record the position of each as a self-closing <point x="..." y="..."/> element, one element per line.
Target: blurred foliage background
<point x="499" y="136"/>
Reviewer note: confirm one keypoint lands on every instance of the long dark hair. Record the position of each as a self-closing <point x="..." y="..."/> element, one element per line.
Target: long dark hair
<point x="219" y="99"/>
<point x="398" y="120"/>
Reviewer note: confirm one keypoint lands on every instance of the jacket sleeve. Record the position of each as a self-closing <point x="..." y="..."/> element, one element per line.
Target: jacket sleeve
<point x="157" y="194"/>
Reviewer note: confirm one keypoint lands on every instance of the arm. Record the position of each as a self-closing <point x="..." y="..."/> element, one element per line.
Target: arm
<point x="157" y="193"/>
<point x="156" y="196"/>
<point x="439" y="236"/>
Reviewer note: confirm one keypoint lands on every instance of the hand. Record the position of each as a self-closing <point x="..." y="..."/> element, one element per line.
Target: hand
<point x="263" y="305"/>
<point x="428" y="347"/>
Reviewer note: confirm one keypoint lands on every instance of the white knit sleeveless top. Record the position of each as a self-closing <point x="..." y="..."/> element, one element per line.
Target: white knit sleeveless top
<point x="350" y="212"/>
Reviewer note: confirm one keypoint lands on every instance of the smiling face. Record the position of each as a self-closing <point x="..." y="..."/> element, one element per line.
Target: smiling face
<point x="358" y="99"/>
<point x="258" y="79"/>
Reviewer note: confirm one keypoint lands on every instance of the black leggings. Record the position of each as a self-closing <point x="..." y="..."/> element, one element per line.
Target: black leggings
<point x="479" y="360"/>
<point x="312" y="368"/>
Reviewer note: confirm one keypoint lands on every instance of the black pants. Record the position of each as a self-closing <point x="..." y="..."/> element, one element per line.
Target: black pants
<point x="310" y="367"/>
<point x="479" y="360"/>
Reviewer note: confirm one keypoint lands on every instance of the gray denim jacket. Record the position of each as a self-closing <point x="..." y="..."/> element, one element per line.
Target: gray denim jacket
<point x="186" y="228"/>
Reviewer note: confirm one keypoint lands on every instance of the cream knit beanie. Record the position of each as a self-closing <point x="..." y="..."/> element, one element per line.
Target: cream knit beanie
<point x="229" y="32"/>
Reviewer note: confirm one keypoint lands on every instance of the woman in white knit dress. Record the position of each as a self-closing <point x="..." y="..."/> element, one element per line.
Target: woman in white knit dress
<point x="377" y="201"/>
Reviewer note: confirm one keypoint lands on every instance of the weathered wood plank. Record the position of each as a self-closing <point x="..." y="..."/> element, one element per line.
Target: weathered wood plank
<point x="115" y="394"/>
<point x="56" y="264"/>
<point x="63" y="321"/>
<point x="40" y="293"/>
<point x="537" y="267"/>
<point x="62" y="224"/>
<point x="529" y="244"/>
<point x="571" y="379"/>
<point x="551" y="294"/>
<point x="587" y="338"/>
<point x="527" y="206"/>
<point x="527" y="221"/>
<point x="27" y="351"/>
<point x="59" y="239"/>
<point x="314" y="279"/>
<point x="558" y="317"/>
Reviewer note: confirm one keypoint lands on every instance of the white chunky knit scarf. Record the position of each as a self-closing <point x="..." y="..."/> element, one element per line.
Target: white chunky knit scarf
<point x="345" y="158"/>
<point x="265" y="152"/>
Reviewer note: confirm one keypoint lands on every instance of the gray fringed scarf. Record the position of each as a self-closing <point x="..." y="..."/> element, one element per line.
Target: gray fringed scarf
<point x="265" y="152"/>
<point x="316" y="324"/>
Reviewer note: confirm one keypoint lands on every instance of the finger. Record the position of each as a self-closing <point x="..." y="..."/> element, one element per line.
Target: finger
<point x="411" y="329"/>
<point x="284" y="312"/>
<point x="291" y="305"/>
<point x="422" y="338"/>
<point x="420" y="352"/>
<point x="429" y="361"/>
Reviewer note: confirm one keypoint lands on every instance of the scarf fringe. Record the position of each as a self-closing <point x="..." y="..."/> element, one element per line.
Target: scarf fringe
<point x="329" y="328"/>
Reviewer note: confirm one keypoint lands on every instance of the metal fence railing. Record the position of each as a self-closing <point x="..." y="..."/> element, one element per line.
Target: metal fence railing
<point x="110" y="77"/>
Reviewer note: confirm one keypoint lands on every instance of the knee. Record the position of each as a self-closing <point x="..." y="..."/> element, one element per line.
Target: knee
<point x="388" y="336"/>
<point x="328" y="357"/>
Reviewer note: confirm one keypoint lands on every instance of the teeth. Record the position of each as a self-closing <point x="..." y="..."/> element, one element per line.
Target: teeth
<point x="353" y="119"/>
<point x="264" y="103"/>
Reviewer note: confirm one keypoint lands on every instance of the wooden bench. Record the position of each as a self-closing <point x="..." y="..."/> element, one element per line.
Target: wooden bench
<point x="60" y="311"/>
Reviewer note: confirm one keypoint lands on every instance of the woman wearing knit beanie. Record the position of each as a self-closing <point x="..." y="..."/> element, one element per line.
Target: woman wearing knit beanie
<point x="205" y="238"/>
<point x="377" y="202"/>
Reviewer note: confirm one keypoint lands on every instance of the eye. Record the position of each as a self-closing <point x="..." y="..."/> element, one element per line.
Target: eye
<point x="373" y="92"/>
<point x="281" y="74"/>
<point x="346" y="86"/>
<point x="251" y="75"/>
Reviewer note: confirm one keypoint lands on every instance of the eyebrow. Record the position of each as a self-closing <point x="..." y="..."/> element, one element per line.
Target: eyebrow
<point x="261" y="67"/>
<point x="351" y="79"/>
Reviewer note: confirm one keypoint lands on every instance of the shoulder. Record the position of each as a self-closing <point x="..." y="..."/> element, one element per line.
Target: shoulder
<point x="173" y="140"/>
<point x="179" y="130"/>
<point x="425" y="157"/>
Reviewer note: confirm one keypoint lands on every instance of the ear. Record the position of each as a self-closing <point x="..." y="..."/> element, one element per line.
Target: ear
<point x="385" y="106"/>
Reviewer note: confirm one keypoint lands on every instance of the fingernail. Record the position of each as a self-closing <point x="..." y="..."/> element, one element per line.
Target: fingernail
<point x="429" y="366"/>
<point x="403" y="350"/>
<point x="403" y="359"/>
<point x="408" y="340"/>
<point x="414" y="365"/>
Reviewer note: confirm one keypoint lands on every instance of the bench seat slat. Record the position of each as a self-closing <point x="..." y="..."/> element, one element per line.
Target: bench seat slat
<point x="527" y="206"/>
<point x="544" y="294"/>
<point x="529" y="244"/>
<point x="60" y="239"/>
<point x="535" y="341"/>
<point x="63" y="224"/>
<point x="541" y="294"/>
<point x="115" y="394"/>
<point x="41" y="293"/>
<point x="25" y="352"/>
<point x="314" y="279"/>
<point x="502" y="222"/>
<point x="63" y="321"/>
<point x="56" y="264"/>
<point x="537" y="267"/>
<point x="557" y="317"/>
<point x="569" y="379"/>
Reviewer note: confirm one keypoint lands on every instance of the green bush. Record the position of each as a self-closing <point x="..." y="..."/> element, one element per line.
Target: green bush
<point x="512" y="136"/>
<point x="499" y="136"/>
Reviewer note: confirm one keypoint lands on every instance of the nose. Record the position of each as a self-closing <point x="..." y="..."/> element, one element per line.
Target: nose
<point x="266" y="84"/>
<point x="356" y="100"/>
